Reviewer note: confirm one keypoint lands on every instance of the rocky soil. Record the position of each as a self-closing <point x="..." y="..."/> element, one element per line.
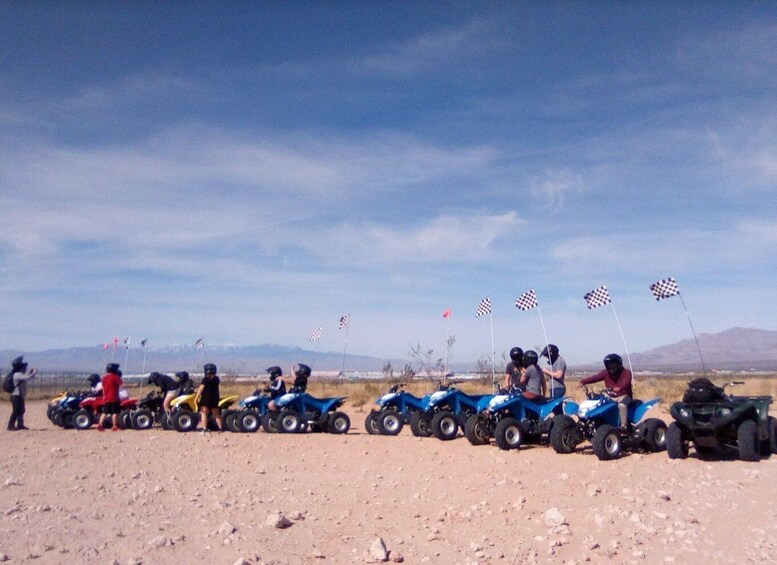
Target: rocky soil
<point x="163" y="497"/>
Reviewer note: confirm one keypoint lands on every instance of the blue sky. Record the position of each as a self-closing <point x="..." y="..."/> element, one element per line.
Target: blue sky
<point x="247" y="172"/>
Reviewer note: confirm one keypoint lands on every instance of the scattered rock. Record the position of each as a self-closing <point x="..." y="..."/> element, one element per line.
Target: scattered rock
<point x="553" y="518"/>
<point x="278" y="520"/>
<point x="378" y="551"/>
<point x="226" y="528"/>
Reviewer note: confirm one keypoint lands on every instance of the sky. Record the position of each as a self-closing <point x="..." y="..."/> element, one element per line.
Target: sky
<point x="247" y="172"/>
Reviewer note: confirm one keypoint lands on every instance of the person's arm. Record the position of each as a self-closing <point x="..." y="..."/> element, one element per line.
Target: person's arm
<point x="622" y="384"/>
<point x="598" y="377"/>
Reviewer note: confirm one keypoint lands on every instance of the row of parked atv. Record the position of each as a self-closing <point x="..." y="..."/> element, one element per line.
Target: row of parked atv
<point x="712" y="424"/>
<point x="295" y="412"/>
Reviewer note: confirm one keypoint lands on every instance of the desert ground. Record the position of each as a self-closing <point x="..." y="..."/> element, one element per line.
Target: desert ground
<point x="157" y="496"/>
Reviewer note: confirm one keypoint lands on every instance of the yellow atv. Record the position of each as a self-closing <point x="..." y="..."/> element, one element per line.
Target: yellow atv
<point x="185" y="413"/>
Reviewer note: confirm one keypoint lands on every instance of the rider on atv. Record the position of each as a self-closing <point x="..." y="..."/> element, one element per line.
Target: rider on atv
<point x="532" y="380"/>
<point x="514" y="370"/>
<point x="617" y="379"/>
<point x="170" y="387"/>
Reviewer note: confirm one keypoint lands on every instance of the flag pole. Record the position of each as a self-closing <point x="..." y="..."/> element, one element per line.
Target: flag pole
<point x="696" y="339"/>
<point x="447" y="337"/>
<point x="493" y="353"/>
<point x="315" y="354"/>
<point x="126" y="354"/>
<point x="617" y="321"/>
<point x="345" y="347"/>
<point x="143" y="370"/>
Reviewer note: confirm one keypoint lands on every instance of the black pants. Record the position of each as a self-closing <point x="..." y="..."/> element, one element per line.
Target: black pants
<point x="17" y="413"/>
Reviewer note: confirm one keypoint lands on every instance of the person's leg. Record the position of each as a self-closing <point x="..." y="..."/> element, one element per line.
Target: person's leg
<point x="20" y="418"/>
<point x="623" y="410"/>
<point x="217" y="416"/>
<point x="101" y="420"/>
<point x="204" y="419"/>
<point x="14" y="413"/>
<point x="115" y="417"/>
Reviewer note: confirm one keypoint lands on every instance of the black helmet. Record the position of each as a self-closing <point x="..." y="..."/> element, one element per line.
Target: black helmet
<point x="516" y="354"/>
<point x="530" y="358"/>
<point x="112" y="368"/>
<point x="614" y="364"/>
<point x="274" y="372"/>
<point x="301" y="370"/>
<point x="93" y="379"/>
<point x="183" y="376"/>
<point x="209" y="369"/>
<point x="153" y="378"/>
<point x="18" y="365"/>
<point x="550" y="351"/>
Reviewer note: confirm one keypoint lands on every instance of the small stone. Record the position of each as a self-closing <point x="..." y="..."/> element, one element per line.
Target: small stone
<point x="226" y="528"/>
<point x="378" y="550"/>
<point x="241" y="561"/>
<point x="554" y="518"/>
<point x="157" y="542"/>
<point x="278" y="520"/>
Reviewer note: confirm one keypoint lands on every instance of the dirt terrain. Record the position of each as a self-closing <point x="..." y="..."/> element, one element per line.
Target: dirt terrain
<point x="149" y="497"/>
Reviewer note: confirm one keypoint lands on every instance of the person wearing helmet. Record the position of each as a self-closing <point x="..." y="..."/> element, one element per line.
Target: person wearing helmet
<point x="532" y="380"/>
<point x="95" y="384"/>
<point x="514" y="370"/>
<point x="169" y="388"/>
<point x="617" y="379"/>
<point x="556" y="372"/>
<point x="111" y="382"/>
<point x="208" y="396"/>
<point x="19" y="378"/>
<point x="277" y="386"/>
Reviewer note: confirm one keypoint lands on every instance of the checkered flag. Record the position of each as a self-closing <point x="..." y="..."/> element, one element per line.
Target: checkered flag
<point x="664" y="288"/>
<point x="200" y="343"/>
<point x="527" y="300"/>
<point x="316" y="335"/>
<point x="344" y="320"/>
<point x="483" y="308"/>
<point x="597" y="297"/>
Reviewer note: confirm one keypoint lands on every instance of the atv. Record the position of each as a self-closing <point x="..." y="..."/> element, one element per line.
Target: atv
<point x="598" y="421"/>
<point x="298" y="411"/>
<point x="248" y="418"/>
<point x="89" y="412"/>
<point x="447" y="411"/>
<point x="185" y="412"/>
<point x="511" y="419"/>
<point x="148" y="411"/>
<point x="394" y="411"/>
<point x="61" y="409"/>
<point x="722" y="421"/>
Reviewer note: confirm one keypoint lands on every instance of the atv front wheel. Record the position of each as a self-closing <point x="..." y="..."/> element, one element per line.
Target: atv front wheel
<point x="83" y="419"/>
<point x="142" y="419"/>
<point x="185" y="421"/>
<point x="445" y="425"/>
<point x="676" y="446"/>
<point x="125" y="419"/>
<point x="564" y="435"/>
<point x="389" y="422"/>
<point x="420" y="424"/>
<point x="270" y="423"/>
<point x="508" y="434"/>
<point x="230" y="420"/>
<point x="249" y="421"/>
<point x="607" y="442"/>
<point x="289" y="422"/>
<point x="747" y="440"/>
<point x="655" y="435"/>
<point x="338" y="423"/>
<point x="476" y="430"/>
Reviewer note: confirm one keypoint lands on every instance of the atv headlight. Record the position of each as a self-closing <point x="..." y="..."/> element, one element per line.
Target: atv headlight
<point x="724" y="412"/>
<point x="685" y="413"/>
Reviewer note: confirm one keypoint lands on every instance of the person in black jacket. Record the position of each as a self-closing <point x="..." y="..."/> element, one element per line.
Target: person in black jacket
<point x="20" y="378"/>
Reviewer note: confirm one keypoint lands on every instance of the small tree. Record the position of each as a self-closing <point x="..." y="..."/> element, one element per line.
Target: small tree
<point x="424" y="357"/>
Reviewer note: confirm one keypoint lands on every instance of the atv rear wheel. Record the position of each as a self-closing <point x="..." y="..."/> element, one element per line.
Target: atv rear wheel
<point x="655" y="435"/>
<point x="607" y="442"/>
<point x="165" y="421"/>
<point x="83" y="419"/>
<point x="249" y="421"/>
<point x="389" y="422"/>
<point x="270" y="423"/>
<point x="676" y="446"/>
<point x="476" y="430"/>
<point x="125" y="419"/>
<point x="185" y="420"/>
<point x="564" y="436"/>
<point x="747" y="440"/>
<point x="445" y="425"/>
<point x="371" y="423"/>
<point x="289" y="422"/>
<point x="420" y="424"/>
<point x="508" y="434"/>
<point x="229" y="420"/>
<point x="768" y="444"/>
<point x="338" y="423"/>
<point x="142" y="419"/>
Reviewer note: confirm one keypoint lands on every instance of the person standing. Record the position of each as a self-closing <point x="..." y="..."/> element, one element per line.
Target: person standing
<point x="20" y="377"/>
<point x="556" y="372"/>
<point x="208" y="396"/>
<point x="111" y="401"/>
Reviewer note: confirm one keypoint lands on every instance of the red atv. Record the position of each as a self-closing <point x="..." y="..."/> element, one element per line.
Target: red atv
<point x="89" y="412"/>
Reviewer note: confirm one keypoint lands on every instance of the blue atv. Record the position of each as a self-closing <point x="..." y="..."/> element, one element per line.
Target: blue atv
<point x="61" y="410"/>
<point x="248" y="418"/>
<point x="512" y="420"/>
<point x="598" y="421"/>
<point x="298" y="411"/>
<point x="394" y="411"/>
<point x="447" y="411"/>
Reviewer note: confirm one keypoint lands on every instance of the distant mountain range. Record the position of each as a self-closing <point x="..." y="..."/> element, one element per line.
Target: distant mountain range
<point x="736" y="348"/>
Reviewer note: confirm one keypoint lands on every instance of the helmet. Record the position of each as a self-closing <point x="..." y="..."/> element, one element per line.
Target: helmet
<point x="530" y="358"/>
<point x="18" y="365"/>
<point x="614" y="364"/>
<point x="516" y="354"/>
<point x="550" y="351"/>
<point x="209" y="369"/>
<point x="93" y="379"/>
<point x="274" y="372"/>
<point x="301" y="370"/>
<point x="153" y="378"/>
<point x="183" y="376"/>
<point x="112" y="368"/>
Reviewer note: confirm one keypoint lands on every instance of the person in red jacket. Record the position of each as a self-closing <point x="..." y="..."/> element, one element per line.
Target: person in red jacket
<point x="112" y="403"/>
<point x="617" y="379"/>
